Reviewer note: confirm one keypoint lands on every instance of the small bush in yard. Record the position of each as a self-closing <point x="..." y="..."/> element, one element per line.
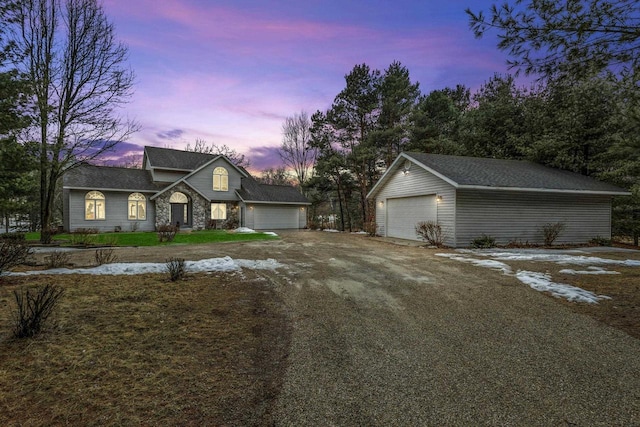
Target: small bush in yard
<point x="83" y="236"/>
<point x="176" y="268"/>
<point x="552" y="231"/>
<point x="12" y="253"/>
<point x="600" y="241"/>
<point x="12" y="236"/>
<point x="167" y="232"/>
<point x="57" y="259"/>
<point x="105" y="256"/>
<point x="483" y="242"/>
<point x="431" y="232"/>
<point x="34" y="306"/>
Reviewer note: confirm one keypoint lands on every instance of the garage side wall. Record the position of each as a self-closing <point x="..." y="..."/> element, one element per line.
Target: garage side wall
<point x="418" y="182"/>
<point x="520" y="216"/>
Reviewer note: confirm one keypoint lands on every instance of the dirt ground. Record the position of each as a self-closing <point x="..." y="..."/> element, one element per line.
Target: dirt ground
<point x="386" y="334"/>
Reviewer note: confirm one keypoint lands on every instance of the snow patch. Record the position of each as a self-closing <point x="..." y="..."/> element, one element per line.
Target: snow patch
<point x="331" y="230"/>
<point x="551" y="256"/>
<point x="270" y="233"/>
<point x="589" y="270"/>
<point x="496" y="265"/>
<point x="542" y="282"/>
<point x="225" y="264"/>
<point x="244" y="230"/>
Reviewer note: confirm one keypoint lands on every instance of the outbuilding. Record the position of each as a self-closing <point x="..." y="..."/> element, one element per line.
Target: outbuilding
<point x="509" y="200"/>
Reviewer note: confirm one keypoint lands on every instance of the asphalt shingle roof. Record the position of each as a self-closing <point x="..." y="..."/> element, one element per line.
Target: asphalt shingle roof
<point x="176" y="159"/>
<point x="255" y="192"/>
<point x="107" y="177"/>
<point x="517" y="174"/>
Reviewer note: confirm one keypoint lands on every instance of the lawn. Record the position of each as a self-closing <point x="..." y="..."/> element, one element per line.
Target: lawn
<point x="207" y="350"/>
<point x="151" y="238"/>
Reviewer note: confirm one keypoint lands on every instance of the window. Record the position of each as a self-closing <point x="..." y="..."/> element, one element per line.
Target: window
<point x="178" y="197"/>
<point x="94" y="206"/>
<point x="137" y="207"/>
<point x="218" y="211"/>
<point x="220" y="179"/>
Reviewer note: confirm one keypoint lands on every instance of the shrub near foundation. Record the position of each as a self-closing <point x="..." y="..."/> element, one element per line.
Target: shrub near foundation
<point x="431" y="232"/>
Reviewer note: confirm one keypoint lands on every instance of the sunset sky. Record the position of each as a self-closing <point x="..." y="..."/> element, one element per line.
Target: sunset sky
<point x="230" y="71"/>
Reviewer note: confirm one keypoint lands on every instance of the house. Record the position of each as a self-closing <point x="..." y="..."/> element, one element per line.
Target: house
<point x="193" y="190"/>
<point x="509" y="200"/>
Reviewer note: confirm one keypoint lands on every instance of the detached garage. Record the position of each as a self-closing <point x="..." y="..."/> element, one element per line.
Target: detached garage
<point x="509" y="200"/>
<point x="272" y="207"/>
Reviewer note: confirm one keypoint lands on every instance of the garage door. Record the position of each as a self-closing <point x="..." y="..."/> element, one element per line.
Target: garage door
<point x="275" y="217"/>
<point x="404" y="213"/>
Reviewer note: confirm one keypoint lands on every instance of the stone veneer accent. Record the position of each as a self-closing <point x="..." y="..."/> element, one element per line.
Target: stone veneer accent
<point x="200" y="207"/>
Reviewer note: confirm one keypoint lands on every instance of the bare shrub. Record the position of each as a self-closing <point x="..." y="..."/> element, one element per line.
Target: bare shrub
<point x="431" y="232"/>
<point x="13" y="252"/>
<point x="105" y="256"/>
<point x="134" y="226"/>
<point x="176" y="268"/>
<point x="370" y="227"/>
<point x="167" y="232"/>
<point x="57" y="259"/>
<point x="34" y="306"/>
<point x="551" y="231"/>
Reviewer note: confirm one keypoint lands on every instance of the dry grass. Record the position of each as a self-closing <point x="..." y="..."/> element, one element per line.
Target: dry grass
<point x="622" y="311"/>
<point x="141" y="350"/>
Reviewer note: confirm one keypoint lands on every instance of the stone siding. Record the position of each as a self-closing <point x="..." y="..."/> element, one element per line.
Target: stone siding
<point x="200" y="207"/>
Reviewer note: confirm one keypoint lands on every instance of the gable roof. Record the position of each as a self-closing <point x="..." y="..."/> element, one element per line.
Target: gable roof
<point x="254" y="192"/>
<point x="109" y="178"/>
<point x="498" y="174"/>
<point x="168" y="158"/>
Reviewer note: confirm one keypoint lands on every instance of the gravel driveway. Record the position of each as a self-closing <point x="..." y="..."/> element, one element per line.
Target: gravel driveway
<point x="393" y="335"/>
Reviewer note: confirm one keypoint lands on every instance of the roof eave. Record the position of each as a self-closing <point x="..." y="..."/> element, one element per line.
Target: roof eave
<point x="272" y="202"/>
<point x="130" y="190"/>
<point x="545" y="190"/>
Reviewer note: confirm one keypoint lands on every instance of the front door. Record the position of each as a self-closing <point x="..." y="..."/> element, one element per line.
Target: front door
<point x="179" y="214"/>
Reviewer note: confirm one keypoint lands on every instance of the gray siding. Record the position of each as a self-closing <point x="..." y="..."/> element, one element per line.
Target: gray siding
<point x="416" y="183"/>
<point x="115" y="213"/>
<point x="167" y="176"/>
<point x="203" y="181"/>
<point x="515" y="216"/>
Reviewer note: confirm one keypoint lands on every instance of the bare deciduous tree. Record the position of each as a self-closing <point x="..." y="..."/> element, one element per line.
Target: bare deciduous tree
<point x="202" y="146"/>
<point x="275" y="176"/>
<point x="79" y="77"/>
<point x="295" y="151"/>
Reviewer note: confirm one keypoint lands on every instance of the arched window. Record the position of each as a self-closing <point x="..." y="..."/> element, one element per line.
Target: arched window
<point x="94" y="206"/>
<point x="137" y="207"/>
<point x="220" y="179"/>
<point x="178" y="197"/>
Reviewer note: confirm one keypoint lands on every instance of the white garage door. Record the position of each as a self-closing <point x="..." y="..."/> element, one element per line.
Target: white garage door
<point x="404" y="213"/>
<point x="275" y="217"/>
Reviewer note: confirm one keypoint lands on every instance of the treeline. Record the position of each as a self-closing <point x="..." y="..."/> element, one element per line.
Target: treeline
<point x="589" y="125"/>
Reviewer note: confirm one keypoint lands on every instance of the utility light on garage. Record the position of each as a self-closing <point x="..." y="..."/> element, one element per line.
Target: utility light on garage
<point x="438" y="198"/>
<point x="381" y="203"/>
<point x="302" y="209"/>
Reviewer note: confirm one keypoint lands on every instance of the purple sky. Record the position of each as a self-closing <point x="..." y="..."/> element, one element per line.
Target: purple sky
<point x="230" y="71"/>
